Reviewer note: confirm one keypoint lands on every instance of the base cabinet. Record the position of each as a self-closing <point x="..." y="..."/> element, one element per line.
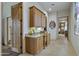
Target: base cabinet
<point x="34" y="45"/>
<point x="46" y="39"/>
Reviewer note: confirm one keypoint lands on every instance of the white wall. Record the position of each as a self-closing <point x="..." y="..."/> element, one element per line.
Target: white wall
<point x="54" y="16"/>
<point x="0" y="28"/>
<point x="7" y="8"/>
<point x="73" y="38"/>
<point x="6" y="12"/>
<point x="63" y="13"/>
<point x="53" y="32"/>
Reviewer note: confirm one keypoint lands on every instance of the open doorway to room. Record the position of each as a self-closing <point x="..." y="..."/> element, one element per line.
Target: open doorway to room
<point x="9" y="31"/>
<point x="13" y="32"/>
<point x="63" y="27"/>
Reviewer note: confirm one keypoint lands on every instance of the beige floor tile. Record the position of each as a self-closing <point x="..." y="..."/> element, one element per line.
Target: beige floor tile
<point x="59" y="47"/>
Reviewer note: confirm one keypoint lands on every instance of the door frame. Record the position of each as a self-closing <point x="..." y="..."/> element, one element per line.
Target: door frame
<point x="21" y="24"/>
<point x="67" y="25"/>
<point x="7" y="29"/>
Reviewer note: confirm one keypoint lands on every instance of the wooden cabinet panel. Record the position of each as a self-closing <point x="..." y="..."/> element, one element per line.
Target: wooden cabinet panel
<point x="41" y="42"/>
<point x="27" y="42"/>
<point x="34" y="45"/>
<point x="32" y="13"/>
<point x="17" y="28"/>
<point x="46" y="39"/>
<point x="43" y="21"/>
<point x="37" y="18"/>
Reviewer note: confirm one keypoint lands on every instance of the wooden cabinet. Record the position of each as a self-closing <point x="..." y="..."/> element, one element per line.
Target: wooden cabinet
<point x="34" y="45"/>
<point x="37" y="17"/>
<point x="46" y="39"/>
<point x="16" y="14"/>
<point x="43" y="21"/>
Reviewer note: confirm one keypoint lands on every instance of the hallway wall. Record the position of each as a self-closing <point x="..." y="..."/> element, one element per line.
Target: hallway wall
<point x="53" y="32"/>
<point x="7" y="9"/>
<point x="54" y="16"/>
<point x="0" y="28"/>
<point x="6" y="12"/>
<point x="73" y="38"/>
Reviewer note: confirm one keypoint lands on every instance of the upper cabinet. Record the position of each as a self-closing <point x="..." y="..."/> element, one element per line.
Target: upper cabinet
<point x="37" y="17"/>
<point x="44" y="21"/>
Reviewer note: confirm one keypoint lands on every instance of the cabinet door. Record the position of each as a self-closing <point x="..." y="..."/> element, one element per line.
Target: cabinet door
<point x="43" y="21"/>
<point x="16" y="28"/>
<point x="37" y="19"/>
<point x="48" y="39"/>
<point x="41" y="42"/>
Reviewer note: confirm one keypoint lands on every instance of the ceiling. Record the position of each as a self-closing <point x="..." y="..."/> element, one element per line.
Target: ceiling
<point x="55" y="6"/>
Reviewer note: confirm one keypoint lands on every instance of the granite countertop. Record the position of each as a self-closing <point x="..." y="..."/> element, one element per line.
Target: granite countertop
<point x="35" y="35"/>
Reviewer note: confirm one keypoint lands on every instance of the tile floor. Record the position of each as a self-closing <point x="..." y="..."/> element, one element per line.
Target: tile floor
<point x="6" y="51"/>
<point x="59" y="47"/>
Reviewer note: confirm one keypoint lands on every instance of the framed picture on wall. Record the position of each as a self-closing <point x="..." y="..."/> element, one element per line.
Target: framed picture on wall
<point x="52" y="24"/>
<point x="77" y="18"/>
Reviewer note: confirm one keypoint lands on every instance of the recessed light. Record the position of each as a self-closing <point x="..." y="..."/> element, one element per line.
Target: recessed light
<point x="52" y="4"/>
<point x="50" y="9"/>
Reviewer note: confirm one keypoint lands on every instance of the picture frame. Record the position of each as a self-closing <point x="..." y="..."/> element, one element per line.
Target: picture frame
<point x="52" y="24"/>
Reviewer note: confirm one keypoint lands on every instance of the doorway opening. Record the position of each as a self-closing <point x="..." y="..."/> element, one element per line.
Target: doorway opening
<point x="63" y="27"/>
<point x="13" y="27"/>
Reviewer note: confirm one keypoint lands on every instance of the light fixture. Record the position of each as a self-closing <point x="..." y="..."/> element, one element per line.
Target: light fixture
<point x="50" y="9"/>
<point x="52" y="4"/>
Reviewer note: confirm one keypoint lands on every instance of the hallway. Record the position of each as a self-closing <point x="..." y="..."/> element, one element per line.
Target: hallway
<point x="60" y="47"/>
<point x="43" y="22"/>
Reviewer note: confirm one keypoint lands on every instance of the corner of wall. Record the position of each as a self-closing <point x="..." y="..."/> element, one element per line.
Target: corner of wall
<point x="0" y="28"/>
